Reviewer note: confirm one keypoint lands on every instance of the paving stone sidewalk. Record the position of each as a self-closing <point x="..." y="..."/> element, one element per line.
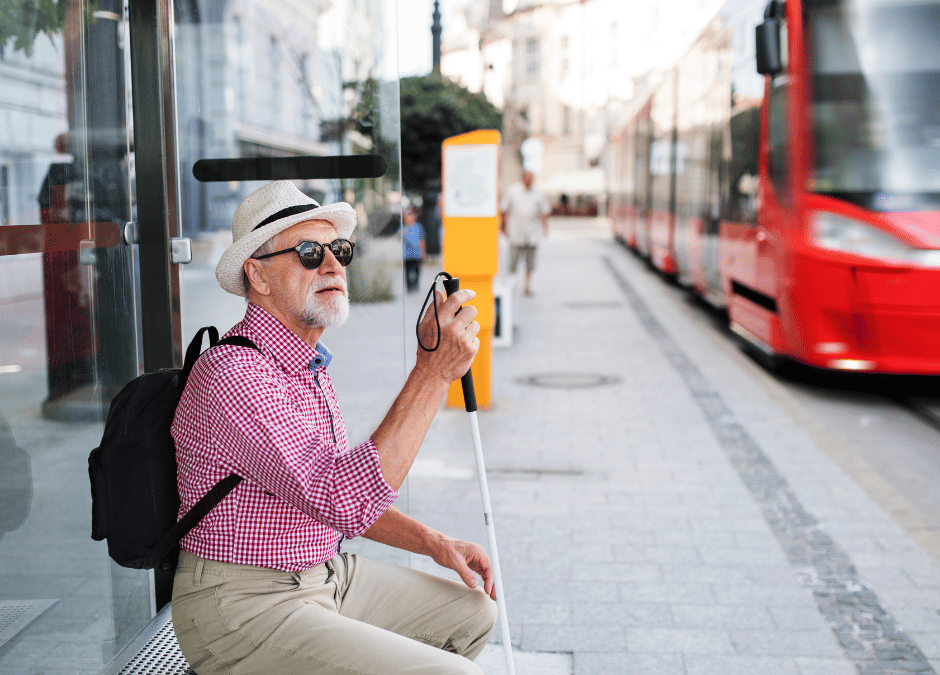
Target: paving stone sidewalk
<point x="657" y="511"/>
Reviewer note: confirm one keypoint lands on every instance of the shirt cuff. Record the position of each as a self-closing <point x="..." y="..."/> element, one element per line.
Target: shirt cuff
<point x="377" y="495"/>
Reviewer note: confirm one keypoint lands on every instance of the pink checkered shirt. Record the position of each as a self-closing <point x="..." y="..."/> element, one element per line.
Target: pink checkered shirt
<point x="273" y="419"/>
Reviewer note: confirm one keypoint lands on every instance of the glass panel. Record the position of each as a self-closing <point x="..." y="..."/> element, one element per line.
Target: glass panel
<point x="778" y="146"/>
<point x="67" y="338"/>
<point x="260" y="80"/>
<point x="877" y="126"/>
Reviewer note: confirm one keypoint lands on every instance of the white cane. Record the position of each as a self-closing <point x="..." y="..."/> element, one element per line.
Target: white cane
<point x="451" y="285"/>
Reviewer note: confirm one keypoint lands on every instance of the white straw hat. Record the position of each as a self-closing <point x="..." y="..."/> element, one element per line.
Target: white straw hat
<point x="266" y="212"/>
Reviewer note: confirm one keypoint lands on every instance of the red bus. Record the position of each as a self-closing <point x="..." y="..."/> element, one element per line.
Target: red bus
<point x="804" y="198"/>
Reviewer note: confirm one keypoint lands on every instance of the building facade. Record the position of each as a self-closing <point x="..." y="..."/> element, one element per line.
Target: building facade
<point x="565" y="72"/>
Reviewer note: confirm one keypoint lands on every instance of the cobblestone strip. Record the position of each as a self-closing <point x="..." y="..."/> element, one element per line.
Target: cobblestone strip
<point x="868" y="634"/>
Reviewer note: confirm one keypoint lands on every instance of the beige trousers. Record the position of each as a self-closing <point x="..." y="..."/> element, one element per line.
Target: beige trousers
<point x="351" y="615"/>
<point x="517" y="251"/>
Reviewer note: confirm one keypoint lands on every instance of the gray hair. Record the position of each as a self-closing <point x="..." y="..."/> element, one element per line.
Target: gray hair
<point x="266" y="247"/>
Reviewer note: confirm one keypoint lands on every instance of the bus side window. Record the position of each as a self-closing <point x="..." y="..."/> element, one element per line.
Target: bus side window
<point x="778" y="139"/>
<point x="742" y="168"/>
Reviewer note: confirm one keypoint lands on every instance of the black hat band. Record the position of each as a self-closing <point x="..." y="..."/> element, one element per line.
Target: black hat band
<point x="286" y="213"/>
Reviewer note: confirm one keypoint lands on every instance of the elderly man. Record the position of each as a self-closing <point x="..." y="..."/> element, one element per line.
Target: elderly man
<point x="522" y="209"/>
<point x="262" y="586"/>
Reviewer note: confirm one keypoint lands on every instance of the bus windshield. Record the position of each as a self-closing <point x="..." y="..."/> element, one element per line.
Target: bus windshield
<point x="874" y="104"/>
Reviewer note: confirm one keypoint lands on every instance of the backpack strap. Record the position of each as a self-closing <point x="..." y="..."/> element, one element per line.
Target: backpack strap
<point x="172" y="537"/>
<point x="193" y="352"/>
<point x="209" y="501"/>
<point x="238" y="341"/>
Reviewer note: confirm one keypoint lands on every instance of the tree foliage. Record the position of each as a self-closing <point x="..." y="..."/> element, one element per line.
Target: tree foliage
<point x="433" y="109"/>
<point x="24" y="21"/>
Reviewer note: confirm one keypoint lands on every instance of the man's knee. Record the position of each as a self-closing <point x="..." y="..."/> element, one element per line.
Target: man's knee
<point x="479" y="624"/>
<point x="488" y="614"/>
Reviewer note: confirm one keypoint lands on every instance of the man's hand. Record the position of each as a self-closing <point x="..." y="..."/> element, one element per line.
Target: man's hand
<point x="458" y="337"/>
<point x="467" y="560"/>
<point x="399" y="436"/>
<point x="400" y="530"/>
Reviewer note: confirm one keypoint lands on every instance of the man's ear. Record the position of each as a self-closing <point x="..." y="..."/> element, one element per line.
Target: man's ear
<point x="257" y="277"/>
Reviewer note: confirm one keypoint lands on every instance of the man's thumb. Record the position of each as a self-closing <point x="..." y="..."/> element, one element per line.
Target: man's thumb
<point x="468" y="575"/>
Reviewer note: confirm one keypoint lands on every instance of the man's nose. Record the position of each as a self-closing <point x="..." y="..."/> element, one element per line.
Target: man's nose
<point x="330" y="264"/>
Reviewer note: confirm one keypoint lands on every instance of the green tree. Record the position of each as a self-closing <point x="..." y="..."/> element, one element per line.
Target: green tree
<point x="25" y="20"/>
<point x="433" y="109"/>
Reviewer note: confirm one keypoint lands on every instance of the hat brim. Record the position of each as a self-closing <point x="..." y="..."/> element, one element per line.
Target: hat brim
<point x="230" y="268"/>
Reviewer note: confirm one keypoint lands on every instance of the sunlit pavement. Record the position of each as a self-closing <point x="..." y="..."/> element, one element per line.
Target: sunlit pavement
<point x="657" y="509"/>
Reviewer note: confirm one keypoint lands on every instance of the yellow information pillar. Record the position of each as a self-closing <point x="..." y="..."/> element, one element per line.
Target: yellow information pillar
<point x="470" y="218"/>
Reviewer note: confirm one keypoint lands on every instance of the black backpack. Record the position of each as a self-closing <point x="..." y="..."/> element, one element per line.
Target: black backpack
<point x="134" y="498"/>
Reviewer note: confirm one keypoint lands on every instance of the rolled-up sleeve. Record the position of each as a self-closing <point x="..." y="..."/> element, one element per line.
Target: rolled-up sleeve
<point x="285" y="444"/>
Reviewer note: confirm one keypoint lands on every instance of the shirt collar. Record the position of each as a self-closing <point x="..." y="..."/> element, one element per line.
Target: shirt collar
<point x="323" y="357"/>
<point x="286" y="347"/>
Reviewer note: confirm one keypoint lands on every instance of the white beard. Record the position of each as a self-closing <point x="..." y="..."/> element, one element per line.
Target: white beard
<point x="325" y="311"/>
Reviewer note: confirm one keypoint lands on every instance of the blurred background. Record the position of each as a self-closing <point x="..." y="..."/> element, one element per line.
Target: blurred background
<point x="776" y="166"/>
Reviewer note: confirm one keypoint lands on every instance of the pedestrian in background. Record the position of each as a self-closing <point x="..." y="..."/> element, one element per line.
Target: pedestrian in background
<point x="414" y="243"/>
<point x="522" y="209"/>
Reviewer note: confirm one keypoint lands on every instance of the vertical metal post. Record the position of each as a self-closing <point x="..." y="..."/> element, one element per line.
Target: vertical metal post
<point x="151" y="44"/>
<point x="436" y="29"/>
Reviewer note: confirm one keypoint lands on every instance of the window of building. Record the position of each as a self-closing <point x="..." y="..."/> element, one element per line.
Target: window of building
<point x="5" y="210"/>
<point x="532" y="57"/>
<point x="239" y="62"/>
<point x="306" y="95"/>
<point x="614" y="45"/>
<point x="565" y="58"/>
<point x="275" y="78"/>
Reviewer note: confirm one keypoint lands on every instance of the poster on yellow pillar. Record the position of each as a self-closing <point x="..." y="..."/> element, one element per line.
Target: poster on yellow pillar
<point x="470" y="220"/>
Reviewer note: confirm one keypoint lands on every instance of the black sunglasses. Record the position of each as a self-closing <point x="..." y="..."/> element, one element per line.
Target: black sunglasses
<point x="311" y="253"/>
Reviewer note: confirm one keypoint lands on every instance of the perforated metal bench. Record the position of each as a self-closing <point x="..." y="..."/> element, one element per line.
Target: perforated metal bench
<point x="154" y="651"/>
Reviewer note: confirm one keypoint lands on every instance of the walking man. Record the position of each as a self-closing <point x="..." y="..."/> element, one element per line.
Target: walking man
<point x="523" y="216"/>
<point x="262" y="585"/>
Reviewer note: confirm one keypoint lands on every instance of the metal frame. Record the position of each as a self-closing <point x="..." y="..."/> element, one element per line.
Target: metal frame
<point x="151" y="42"/>
<point x="152" y="83"/>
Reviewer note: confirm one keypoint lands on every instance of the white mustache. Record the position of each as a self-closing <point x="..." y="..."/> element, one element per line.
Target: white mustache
<point x="328" y="282"/>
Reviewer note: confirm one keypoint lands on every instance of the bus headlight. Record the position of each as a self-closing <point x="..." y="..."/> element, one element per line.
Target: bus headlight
<point x="926" y="257"/>
<point x="838" y="233"/>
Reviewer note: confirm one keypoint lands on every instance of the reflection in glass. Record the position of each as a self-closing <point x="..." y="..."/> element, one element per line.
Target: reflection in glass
<point x="877" y="122"/>
<point x="270" y="79"/>
<point x="254" y="79"/>
<point x="16" y="482"/>
<point x="67" y="336"/>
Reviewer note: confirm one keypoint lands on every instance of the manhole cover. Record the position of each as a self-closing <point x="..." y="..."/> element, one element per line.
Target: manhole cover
<point x="570" y="380"/>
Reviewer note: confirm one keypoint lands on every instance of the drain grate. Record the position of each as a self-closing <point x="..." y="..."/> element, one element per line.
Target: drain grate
<point x="15" y="615"/>
<point x="570" y="380"/>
